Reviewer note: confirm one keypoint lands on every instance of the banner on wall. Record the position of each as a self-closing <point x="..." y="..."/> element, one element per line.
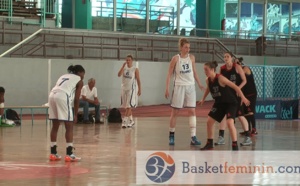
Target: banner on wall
<point x="277" y="109"/>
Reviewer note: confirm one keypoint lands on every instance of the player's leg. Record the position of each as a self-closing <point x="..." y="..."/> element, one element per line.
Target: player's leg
<point x="53" y="138"/>
<point x="221" y="139"/>
<point x="176" y="104"/>
<point x="53" y="115"/>
<point x="216" y="114"/>
<point x="251" y="115"/>
<point x="132" y="103"/>
<point x="190" y="103"/>
<point x="232" y="130"/>
<point x="70" y="156"/>
<point x="125" y="105"/>
<point x="247" y="140"/>
<point x="129" y="116"/>
<point x="67" y="116"/>
<point x="172" y="125"/>
<point x="231" y="111"/>
<point x="210" y="134"/>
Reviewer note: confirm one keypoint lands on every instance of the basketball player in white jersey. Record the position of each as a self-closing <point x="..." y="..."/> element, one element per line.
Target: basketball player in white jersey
<point x="182" y="66"/>
<point x="66" y="90"/>
<point x="131" y="89"/>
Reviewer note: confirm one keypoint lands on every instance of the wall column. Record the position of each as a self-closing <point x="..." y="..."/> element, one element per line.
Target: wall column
<point x="201" y="17"/>
<point x="83" y="14"/>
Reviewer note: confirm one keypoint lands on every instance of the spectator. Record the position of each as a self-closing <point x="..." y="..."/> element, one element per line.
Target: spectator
<point x="2" y="92"/>
<point x="261" y="45"/>
<point x="89" y="98"/>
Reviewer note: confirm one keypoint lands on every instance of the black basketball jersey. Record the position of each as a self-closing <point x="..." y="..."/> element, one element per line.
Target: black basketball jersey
<point x="219" y="93"/>
<point x="249" y="89"/>
<point x="231" y="74"/>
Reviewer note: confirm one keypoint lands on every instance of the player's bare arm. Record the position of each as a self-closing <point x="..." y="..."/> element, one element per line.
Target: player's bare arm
<point x="137" y="76"/>
<point x="170" y="72"/>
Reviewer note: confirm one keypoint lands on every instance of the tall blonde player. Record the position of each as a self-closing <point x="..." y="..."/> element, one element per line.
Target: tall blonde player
<point x="182" y="67"/>
<point x="131" y="89"/>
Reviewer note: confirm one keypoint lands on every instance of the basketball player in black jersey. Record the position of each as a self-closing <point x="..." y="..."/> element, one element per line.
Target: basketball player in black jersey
<point x="225" y="103"/>
<point x="250" y="93"/>
<point x="235" y="74"/>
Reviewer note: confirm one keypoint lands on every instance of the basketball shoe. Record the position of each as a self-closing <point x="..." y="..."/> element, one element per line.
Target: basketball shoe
<point x="221" y="141"/>
<point x="70" y="157"/>
<point x="235" y="146"/>
<point x="171" y="140"/>
<point x="195" y="141"/>
<point x="131" y="123"/>
<point x="124" y="124"/>
<point x="247" y="141"/>
<point x="54" y="156"/>
<point x="253" y="132"/>
<point x="208" y="146"/>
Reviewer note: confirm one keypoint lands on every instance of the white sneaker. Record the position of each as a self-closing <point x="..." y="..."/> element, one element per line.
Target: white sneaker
<point x="124" y="125"/>
<point x="131" y="123"/>
<point x="9" y="122"/>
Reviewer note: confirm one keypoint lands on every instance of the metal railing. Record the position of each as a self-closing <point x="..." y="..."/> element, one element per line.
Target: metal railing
<point x="79" y="44"/>
<point x="243" y="42"/>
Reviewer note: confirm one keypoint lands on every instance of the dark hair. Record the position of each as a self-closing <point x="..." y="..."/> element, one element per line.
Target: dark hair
<point x="129" y="55"/>
<point x="75" y="69"/>
<point x="230" y="53"/>
<point x="240" y="61"/>
<point x="212" y="64"/>
<point x="2" y="90"/>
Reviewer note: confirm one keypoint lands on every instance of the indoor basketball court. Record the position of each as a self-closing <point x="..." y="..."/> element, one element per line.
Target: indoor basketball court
<point x="109" y="152"/>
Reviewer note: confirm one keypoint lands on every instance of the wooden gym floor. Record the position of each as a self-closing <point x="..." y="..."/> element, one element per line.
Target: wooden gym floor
<point x="109" y="152"/>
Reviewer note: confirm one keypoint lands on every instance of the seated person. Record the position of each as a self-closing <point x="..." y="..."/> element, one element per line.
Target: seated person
<point x="89" y="98"/>
<point x="2" y="91"/>
<point x="4" y="120"/>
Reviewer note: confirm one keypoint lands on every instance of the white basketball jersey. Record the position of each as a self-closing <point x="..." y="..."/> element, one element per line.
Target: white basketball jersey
<point x="128" y="78"/>
<point x="67" y="83"/>
<point x="184" y="74"/>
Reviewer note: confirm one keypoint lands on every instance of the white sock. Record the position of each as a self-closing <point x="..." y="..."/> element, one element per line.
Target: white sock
<point x="69" y="144"/>
<point x="172" y="129"/>
<point x="192" y="123"/>
<point x="53" y="143"/>
<point x="125" y="119"/>
<point x="130" y="117"/>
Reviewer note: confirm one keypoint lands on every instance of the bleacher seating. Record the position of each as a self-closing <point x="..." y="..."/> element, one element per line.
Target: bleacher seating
<point x="23" y="9"/>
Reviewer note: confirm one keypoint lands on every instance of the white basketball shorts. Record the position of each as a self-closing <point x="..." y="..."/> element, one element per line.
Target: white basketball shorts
<point x="183" y="96"/>
<point x="60" y="106"/>
<point x="129" y="98"/>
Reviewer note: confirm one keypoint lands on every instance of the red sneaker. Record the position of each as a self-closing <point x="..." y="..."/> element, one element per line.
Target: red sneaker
<point x="54" y="157"/>
<point x="253" y="132"/>
<point x="72" y="158"/>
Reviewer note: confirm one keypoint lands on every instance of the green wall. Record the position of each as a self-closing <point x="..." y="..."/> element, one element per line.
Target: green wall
<point x="83" y="14"/>
<point x="66" y="14"/>
<point x="216" y="14"/>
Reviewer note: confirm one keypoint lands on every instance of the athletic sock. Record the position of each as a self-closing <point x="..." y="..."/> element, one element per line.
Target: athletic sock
<point x="221" y="133"/>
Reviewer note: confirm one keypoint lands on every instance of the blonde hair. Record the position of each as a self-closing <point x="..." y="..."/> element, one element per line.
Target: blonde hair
<point x="181" y="42"/>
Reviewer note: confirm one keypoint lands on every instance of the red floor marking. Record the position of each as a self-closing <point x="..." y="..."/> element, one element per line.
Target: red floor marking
<point x="14" y="170"/>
